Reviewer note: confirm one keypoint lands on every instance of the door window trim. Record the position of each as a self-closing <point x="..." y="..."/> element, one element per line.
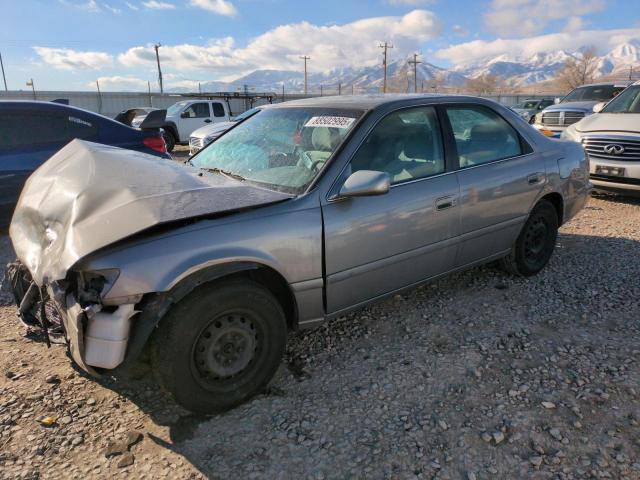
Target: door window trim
<point x="449" y="167"/>
<point x="525" y="148"/>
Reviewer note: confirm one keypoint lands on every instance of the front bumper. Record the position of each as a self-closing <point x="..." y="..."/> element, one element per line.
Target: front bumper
<point x="95" y="339"/>
<point x="628" y="183"/>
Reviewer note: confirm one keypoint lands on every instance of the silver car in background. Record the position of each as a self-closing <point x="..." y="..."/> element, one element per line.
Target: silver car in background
<point x="304" y="211"/>
<point x="203" y="136"/>
<point x="529" y="108"/>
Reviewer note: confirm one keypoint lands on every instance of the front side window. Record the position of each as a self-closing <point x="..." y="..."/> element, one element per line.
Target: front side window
<point x="198" y="110"/>
<point x="481" y="135"/>
<point x="627" y="102"/>
<point x="280" y="148"/>
<point x="405" y="144"/>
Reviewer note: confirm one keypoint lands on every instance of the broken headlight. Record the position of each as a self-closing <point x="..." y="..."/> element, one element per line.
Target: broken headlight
<point x="92" y="286"/>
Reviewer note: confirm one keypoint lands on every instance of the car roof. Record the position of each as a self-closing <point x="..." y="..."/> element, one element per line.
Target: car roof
<point x="367" y="102"/>
<point x="44" y="105"/>
<point x="613" y="84"/>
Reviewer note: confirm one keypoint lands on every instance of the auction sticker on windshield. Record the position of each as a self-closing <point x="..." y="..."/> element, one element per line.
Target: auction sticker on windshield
<point x="330" y="121"/>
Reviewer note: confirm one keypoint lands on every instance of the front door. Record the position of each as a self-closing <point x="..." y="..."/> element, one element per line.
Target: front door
<point x="500" y="178"/>
<point x="375" y="245"/>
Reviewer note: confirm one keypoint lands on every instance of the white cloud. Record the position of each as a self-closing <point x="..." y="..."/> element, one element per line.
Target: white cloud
<point x="521" y="18"/>
<point x="119" y="82"/>
<point x="131" y="6"/>
<point x="350" y="45"/>
<point x="88" y="5"/>
<point x="115" y="10"/>
<point x="221" y="7"/>
<point x="155" y="5"/>
<point x="460" y="30"/>
<point x="67" y="59"/>
<point x="474" y="51"/>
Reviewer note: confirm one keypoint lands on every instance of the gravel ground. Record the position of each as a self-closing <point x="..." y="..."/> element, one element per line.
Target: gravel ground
<point x="477" y="376"/>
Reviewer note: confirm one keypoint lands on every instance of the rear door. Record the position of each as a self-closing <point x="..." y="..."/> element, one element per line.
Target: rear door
<point x="193" y="117"/>
<point x="500" y="178"/>
<point x="377" y="244"/>
<point x="219" y="112"/>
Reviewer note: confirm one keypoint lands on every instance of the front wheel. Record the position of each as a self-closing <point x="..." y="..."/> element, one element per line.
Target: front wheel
<point x="219" y="346"/>
<point x="536" y="242"/>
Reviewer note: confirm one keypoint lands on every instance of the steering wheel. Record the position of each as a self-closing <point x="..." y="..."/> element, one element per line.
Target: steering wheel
<point x="315" y="164"/>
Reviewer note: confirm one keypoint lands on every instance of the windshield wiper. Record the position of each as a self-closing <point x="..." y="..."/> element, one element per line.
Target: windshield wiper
<point x="235" y="176"/>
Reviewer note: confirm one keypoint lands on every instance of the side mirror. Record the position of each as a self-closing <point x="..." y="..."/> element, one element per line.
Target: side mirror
<point x="556" y="100"/>
<point x="364" y="183"/>
<point x="597" y="108"/>
<point x="184" y="115"/>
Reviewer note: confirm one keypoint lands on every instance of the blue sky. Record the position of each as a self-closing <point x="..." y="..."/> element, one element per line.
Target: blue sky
<point x="68" y="44"/>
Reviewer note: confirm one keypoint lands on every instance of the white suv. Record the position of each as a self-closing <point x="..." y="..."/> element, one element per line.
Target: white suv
<point x="189" y="115"/>
<point x="612" y="140"/>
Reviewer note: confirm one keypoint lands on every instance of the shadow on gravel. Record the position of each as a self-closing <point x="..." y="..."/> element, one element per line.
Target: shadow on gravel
<point x="613" y="198"/>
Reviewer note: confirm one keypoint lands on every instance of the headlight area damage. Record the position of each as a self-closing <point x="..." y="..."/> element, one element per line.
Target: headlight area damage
<point x="87" y="197"/>
<point x="97" y="334"/>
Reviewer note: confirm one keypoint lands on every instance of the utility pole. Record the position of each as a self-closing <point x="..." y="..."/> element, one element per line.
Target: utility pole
<point x="385" y="46"/>
<point x="149" y="89"/>
<point x="283" y="91"/>
<point x="305" y="58"/>
<point x="99" y="96"/>
<point x="415" y="63"/>
<point x="33" y="88"/>
<point x="339" y="88"/>
<point x="3" y="77"/>
<point x="157" y="46"/>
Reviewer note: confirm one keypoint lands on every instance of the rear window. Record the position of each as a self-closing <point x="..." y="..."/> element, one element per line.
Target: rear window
<point x="22" y="128"/>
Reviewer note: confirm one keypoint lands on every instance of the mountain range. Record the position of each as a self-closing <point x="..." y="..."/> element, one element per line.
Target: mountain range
<point x="514" y="70"/>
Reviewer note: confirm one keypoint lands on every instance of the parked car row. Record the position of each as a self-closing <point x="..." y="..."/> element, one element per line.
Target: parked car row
<point x="297" y="214"/>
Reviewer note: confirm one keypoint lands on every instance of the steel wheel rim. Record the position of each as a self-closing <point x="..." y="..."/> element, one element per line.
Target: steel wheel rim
<point x="225" y="349"/>
<point x="536" y="240"/>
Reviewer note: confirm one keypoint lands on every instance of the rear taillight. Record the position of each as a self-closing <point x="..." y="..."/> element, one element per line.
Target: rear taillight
<point x="156" y="143"/>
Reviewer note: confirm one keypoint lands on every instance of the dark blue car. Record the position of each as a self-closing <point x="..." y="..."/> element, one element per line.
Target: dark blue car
<point x="31" y="132"/>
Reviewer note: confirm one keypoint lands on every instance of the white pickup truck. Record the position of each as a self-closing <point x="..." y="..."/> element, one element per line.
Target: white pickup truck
<point x="189" y="115"/>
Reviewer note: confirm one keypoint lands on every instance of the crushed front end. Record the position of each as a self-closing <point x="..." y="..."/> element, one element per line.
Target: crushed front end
<point x="72" y="310"/>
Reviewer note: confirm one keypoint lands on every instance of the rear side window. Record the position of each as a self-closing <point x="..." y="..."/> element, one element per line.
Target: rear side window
<point x="218" y="109"/>
<point x="23" y="128"/>
<point x="481" y="135"/>
<point x="198" y="110"/>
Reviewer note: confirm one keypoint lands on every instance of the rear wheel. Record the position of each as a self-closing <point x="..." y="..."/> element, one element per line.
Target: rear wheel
<point x="535" y="244"/>
<point x="169" y="139"/>
<point x="220" y="345"/>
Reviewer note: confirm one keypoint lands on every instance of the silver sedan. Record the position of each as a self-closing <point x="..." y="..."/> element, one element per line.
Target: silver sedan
<point x="302" y="212"/>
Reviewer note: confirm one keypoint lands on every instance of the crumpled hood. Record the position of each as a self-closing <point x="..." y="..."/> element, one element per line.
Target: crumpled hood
<point x="586" y="106"/>
<point x="88" y="196"/>
<point x="610" y="122"/>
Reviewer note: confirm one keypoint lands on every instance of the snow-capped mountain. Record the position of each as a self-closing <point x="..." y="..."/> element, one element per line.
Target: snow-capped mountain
<point x="514" y="70"/>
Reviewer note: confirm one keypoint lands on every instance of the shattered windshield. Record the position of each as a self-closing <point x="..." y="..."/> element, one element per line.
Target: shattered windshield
<point x="279" y="148"/>
<point x="627" y="102"/>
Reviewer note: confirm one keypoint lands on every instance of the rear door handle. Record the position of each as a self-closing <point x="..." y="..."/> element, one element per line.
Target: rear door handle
<point x="446" y="202"/>
<point x="207" y="121"/>
<point x="533" y="179"/>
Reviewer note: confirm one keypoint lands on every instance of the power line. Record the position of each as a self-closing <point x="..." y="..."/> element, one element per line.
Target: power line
<point x="157" y="46"/>
<point x="415" y="63"/>
<point x="305" y="58"/>
<point x="386" y="46"/>
<point x="3" y="76"/>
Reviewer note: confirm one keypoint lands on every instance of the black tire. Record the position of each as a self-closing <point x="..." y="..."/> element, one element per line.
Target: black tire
<point x="535" y="244"/>
<point x="169" y="139"/>
<point x="219" y="346"/>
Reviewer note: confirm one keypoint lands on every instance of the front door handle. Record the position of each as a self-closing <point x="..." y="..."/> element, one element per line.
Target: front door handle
<point x="207" y="121"/>
<point x="446" y="202"/>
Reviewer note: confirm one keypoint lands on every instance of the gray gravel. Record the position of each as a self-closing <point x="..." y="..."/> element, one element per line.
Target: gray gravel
<point x="477" y="376"/>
